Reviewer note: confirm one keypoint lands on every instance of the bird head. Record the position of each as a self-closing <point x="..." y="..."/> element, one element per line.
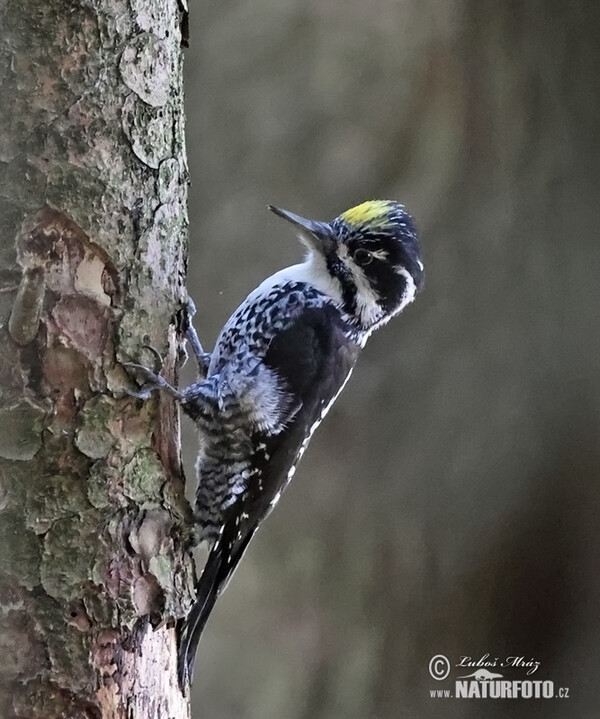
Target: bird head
<point x="371" y="252"/>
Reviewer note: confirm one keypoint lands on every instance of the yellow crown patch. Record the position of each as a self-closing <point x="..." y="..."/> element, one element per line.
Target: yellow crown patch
<point x="372" y="212"/>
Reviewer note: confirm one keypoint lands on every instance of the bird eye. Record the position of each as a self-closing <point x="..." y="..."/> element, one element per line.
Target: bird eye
<point x="363" y="257"/>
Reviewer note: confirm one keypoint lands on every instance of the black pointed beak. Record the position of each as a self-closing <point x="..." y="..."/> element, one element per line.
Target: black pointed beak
<point x="315" y="235"/>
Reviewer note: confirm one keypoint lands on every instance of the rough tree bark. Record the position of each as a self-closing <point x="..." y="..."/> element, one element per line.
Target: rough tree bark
<point x="93" y="222"/>
<point x="450" y="501"/>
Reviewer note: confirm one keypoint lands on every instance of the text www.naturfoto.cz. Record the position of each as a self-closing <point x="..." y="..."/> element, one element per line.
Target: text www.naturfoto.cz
<point x="502" y="689"/>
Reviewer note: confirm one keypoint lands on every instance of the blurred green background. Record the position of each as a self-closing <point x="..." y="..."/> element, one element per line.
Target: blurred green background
<point x="449" y="504"/>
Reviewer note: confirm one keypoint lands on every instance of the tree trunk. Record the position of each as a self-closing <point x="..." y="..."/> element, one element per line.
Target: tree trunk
<point x="93" y="569"/>
<point x="449" y="502"/>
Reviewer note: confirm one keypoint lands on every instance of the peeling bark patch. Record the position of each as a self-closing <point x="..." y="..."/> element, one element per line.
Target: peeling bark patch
<point x="93" y="437"/>
<point x="148" y="597"/>
<point x="72" y="263"/>
<point x="153" y="534"/>
<point x="21" y="430"/>
<point x="90" y="279"/>
<point x="84" y="324"/>
<point x="66" y="373"/>
<point x="147" y="69"/>
<point x="149" y="129"/>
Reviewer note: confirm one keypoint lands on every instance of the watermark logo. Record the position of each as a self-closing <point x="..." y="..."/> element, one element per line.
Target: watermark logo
<point x="482" y="675"/>
<point x="513" y="682"/>
<point x="439" y="667"/>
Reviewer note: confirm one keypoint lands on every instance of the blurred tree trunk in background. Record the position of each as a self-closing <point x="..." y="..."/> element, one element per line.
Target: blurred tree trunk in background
<point x="93" y="228"/>
<point x="449" y="503"/>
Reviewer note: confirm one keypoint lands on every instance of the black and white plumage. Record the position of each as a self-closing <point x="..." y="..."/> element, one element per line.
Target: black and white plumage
<point x="278" y="365"/>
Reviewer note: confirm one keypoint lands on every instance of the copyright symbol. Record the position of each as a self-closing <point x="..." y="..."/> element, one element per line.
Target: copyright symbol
<point x="439" y="667"/>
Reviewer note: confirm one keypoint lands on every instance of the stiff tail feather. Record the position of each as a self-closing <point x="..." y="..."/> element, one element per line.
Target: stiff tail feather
<point x="192" y="626"/>
<point x="222" y="561"/>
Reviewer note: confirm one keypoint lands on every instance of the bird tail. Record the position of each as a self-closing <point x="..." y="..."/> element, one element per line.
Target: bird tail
<point x="192" y="626"/>
<point x="222" y="561"/>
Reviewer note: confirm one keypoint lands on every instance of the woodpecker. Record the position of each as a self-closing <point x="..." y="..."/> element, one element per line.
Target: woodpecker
<point x="278" y="365"/>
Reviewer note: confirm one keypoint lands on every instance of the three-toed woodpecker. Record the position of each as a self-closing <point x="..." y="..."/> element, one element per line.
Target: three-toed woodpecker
<point x="278" y="365"/>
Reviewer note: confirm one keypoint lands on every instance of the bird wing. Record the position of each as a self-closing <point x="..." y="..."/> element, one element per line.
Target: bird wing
<point x="313" y="357"/>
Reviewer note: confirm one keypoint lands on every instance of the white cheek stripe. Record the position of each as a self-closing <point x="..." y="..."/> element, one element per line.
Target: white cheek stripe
<point x="367" y="307"/>
<point x="410" y="290"/>
<point x="409" y="295"/>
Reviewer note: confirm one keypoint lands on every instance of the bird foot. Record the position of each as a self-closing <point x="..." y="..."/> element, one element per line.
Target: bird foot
<point x="202" y="358"/>
<point x="152" y="381"/>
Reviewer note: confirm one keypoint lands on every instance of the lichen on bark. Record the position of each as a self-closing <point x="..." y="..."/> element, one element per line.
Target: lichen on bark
<point x="93" y="520"/>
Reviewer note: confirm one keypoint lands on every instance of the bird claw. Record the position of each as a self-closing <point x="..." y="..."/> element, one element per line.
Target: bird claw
<point x="158" y="360"/>
<point x="146" y="374"/>
<point x="152" y="380"/>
